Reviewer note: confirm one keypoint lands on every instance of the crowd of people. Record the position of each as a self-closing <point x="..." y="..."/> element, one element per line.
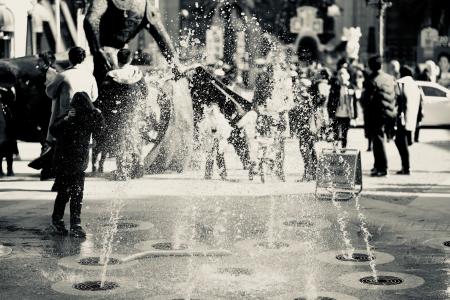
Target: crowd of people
<point x="315" y="103"/>
<point x="309" y="103"/>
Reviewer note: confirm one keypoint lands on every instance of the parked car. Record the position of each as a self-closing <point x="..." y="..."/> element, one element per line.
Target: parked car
<point x="436" y="104"/>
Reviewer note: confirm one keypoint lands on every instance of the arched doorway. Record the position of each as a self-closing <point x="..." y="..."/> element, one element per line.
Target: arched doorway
<point x="6" y="32"/>
<point x="308" y="50"/>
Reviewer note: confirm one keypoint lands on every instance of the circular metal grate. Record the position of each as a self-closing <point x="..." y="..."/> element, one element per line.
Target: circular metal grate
<point x="169" y="246"/>
<point x="4" y="250"/>
<point x="299" y="223"/>
<point x="123" y="225"/>
<point x="95" y="261"/>
<point x="446" y="243"/>
<point x="126" y="225"/>
<point x="95" y="286"/>
<point x="356" y="257"/>
<point x="318" y="298"/>
<point x="382" y="280"/>
<point x="236" y="271"/>
<point x="273" y="245"/>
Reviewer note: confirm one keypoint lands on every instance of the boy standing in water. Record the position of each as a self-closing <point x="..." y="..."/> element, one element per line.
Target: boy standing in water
<point x="73" y="131"/>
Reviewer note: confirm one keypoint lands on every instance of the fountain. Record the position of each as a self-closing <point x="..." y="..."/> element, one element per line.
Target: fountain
<point x="252" y="267"/>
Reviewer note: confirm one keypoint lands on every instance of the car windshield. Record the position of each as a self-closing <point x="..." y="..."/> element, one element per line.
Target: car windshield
<point x="433" y="92"/>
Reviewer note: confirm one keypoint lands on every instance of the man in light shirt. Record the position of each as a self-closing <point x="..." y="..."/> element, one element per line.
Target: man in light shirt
<point x="408" y="98"/>
<point x="75" y="79"/>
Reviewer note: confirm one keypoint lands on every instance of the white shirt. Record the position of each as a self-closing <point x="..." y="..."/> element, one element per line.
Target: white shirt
<point x="412" y="93"/>
<point x="65" y="85"/>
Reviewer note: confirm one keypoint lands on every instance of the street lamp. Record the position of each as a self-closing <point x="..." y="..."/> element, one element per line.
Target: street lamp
<point x="382" y="6"/>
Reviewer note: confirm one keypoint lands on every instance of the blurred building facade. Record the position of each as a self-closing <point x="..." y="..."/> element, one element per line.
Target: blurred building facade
<point x="416" y="30"/>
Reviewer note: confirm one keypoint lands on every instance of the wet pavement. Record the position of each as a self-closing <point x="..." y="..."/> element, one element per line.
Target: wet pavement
<point x="407" y="217"/>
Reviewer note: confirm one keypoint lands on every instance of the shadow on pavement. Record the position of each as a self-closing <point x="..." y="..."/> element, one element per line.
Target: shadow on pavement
<point x="440" y="144"/>
<point x="25" y="190"/>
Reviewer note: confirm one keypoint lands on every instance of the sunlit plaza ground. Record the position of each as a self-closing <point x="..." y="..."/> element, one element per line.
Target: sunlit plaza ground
<point x="224" y="225"/>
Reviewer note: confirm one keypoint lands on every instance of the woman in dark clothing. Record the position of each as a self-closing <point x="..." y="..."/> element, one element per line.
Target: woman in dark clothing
<point x="341" y="105"/>
<point x="73" y="132"/>
<point x="8" y="143"/>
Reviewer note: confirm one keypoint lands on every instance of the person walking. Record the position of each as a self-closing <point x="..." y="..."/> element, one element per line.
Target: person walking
<point x="408" y="102"/>
<point x="342" y="106"/>
<point x="73" y="132"/>
<point x="379" y="98"/>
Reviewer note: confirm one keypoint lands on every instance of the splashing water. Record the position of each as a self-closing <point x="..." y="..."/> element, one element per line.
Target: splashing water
<point x="271" y="224"/>
<point x="342" y="215"/>
<point x="128" y="159"/>
<point x="343" y="221"/>
<point x="363" y="225"/>
<point x="116" y="206"/>
<point x="220" y="228"/>
<point x="178" y="231"/>
<point x="313" y="237"/>
<point x="190" y="284"/>
<point x="366" y="234"/>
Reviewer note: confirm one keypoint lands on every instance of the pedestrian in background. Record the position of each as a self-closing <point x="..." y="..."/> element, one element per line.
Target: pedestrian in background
<point x="379" y="98"/>
<point x="341" y="106"/>
<point x="359" y="80"/>
<point x="444" y="66"/>
<point x="394" y="68"/>
<point x="408" y="101"/>
<point x="73" y="132"/>
<point x="8" y="143"/>
<point x="430" y="73"/>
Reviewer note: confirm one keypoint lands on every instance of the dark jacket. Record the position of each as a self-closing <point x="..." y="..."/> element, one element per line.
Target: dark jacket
<point x="379" y="98"/>
<point x="120" y="95"/>
<point x="334" y="98"/>
<point x="72" y="140"/>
